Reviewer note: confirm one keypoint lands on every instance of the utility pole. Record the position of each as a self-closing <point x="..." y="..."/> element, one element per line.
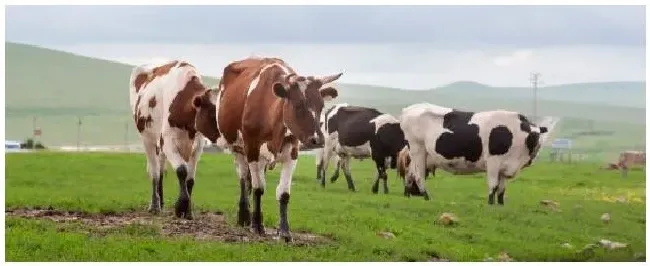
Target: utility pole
<point x="79" y="133"/>
<point x="534" y="79"/>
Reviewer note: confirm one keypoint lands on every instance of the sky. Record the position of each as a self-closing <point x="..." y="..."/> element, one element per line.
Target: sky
<point x="411" y="47"/>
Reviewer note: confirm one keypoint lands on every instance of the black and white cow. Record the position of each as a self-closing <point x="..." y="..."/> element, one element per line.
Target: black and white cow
<point x="498" y="142"/>
<point x="359" y="132"/>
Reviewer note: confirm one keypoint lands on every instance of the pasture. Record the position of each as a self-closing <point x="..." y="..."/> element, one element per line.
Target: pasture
<point x="345" y="226"/>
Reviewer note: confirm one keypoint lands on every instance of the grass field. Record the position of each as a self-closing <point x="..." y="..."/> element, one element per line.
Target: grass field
<point x="526" y="230"/>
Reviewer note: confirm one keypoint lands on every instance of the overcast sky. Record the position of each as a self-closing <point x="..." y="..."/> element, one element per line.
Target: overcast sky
<point x="410" y="47"/>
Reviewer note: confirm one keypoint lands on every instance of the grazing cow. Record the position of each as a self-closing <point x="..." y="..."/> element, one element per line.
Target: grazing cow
<point x="173" y="111"/>
<point x="360" y="132"/>
<point x="499" y="142"/>
<point x="403" y="162"/>
<point x="265" y="112"/>
<point x="629" y="158"/>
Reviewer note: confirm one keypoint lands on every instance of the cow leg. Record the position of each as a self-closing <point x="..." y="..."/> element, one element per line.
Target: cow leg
<point x="180" y="166"/>
<point x="191" y="173"/>
<point x="256" y="165"/>
<point x="493" y="182"/>
<point x="283" y="191"/>
<point x="345" y="164"/>
<point x="319" y="163"/>
<point x="163" y="160"/>
<point x="416" y="170"/>
<point x="381" y="171"/>
<point x="324" y="163"/>
<point x="153" y="170"/>
<point x="335" y="176"/>
<point x="501" y="191"/>
<point x="241" y="166"/>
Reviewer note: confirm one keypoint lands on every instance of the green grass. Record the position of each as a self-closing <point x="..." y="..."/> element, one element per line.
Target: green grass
<point x="525" y="229"/>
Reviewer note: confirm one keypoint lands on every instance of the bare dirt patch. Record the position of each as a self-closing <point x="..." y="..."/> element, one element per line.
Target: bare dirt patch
<point x="206" y="226"/>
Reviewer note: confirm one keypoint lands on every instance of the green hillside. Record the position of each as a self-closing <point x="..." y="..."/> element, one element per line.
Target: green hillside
<point x="627" y="94"/>
<point x="58" y="87"/>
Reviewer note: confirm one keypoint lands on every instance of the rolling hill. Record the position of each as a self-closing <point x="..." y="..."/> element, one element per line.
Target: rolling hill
<point x="58" y="89"/>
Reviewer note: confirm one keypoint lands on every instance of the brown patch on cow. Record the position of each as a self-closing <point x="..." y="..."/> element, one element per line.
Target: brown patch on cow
<point x="181" y="111"/>
<point x="145" y="78"/>
<point x="141" y="122"/>
<point x="152" y="102"/>
<point x="206" y="226"/>
<point x="140" y="80"/>
<point x="182" y="64"/>
<point x="157" y="150"/>
<point x="403" y="161"/>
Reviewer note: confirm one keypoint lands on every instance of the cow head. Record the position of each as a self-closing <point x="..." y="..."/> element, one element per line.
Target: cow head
<point x="534" y="143"/>
<point x="304" y="101"/>
<point x="205" y="119"/>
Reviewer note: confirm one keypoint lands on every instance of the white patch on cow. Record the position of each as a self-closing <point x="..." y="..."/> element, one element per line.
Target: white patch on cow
<point x="258" y="180"/>
<point x="323" y="119"/>
<point x="266" y="154"/>
<point x="286" y="174"/>
<point x="361" y="151"/>
<point x="256" y="81"/>
<point x="287" y="132"/>
<point x="382" y="120"/>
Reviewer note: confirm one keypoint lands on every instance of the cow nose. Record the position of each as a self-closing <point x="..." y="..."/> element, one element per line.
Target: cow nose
<point x="314" y="141"/>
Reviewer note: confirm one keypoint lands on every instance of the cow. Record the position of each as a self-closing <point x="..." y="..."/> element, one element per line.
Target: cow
<point x="497" y="142"/>
<point x="266" y="111"/>
<point x="173" y="111"/>
<point x="629" y="158"/>
<point x="360" y="132"/>
<point x="403" y="162"/>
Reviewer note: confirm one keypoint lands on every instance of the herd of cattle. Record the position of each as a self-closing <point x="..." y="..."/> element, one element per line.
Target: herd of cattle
<point x="264" y="112"/>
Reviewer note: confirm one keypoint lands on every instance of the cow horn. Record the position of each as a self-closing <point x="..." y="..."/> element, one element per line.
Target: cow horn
<point x="290" y="77"/>
<point x="330" y="78"/>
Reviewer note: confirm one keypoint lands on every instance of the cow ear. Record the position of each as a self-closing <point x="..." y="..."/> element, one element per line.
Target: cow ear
<point x="196" y="102"/>
<point x="213" y="95"/>
<point x="279" y="90"/>
<point x="329" y="93"/>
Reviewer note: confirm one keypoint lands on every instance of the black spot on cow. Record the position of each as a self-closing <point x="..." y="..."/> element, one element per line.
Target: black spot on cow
<point x="531" y="143"/>
<point x="353" y="125"/>
<point x="500" y="140"/>
<point x="524" y="123"/>
<point x="463" y="140"/>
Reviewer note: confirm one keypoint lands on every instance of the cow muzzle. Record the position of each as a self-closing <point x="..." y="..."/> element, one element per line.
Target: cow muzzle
<point x="314" y="142"/>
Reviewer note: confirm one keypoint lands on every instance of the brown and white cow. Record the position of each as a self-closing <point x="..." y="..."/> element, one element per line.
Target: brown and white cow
<point x="265" y="112"/>
<point x="629" y="158"/>
<point x="173" y="111"/>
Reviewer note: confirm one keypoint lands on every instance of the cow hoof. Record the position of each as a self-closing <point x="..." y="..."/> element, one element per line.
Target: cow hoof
<point x="182" y="207"/>
<point x="155" y="210"/>
<point x="426" y="195"/>
<point x="375" y="190"/>
<point x="244" y="218"/>
<point x="285" y="235"/>
<point x="258" y="229"/>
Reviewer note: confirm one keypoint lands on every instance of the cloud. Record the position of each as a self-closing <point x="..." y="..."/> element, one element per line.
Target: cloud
<point x="442" y="26"/>
<point x="401" y="65"/>
<point x="517" y="57"/>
